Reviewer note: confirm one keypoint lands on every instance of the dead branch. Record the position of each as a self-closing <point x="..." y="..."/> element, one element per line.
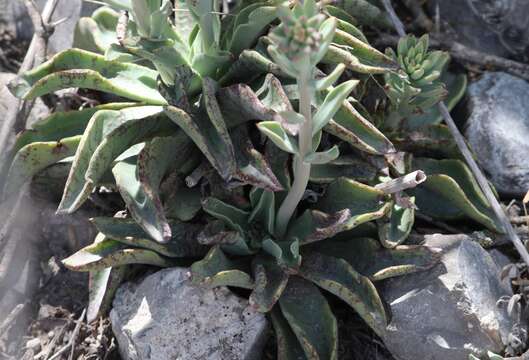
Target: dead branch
<point x="463" y="147"/>
<point x="18" y="112"/>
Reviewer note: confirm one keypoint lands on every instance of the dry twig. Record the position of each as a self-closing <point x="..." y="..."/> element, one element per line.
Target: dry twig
<point x="16" y="116"/>
<point x="462" y="145"/>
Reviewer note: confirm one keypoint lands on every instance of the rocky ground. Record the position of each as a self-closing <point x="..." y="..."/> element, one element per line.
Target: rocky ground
<point x="476" y="298"/>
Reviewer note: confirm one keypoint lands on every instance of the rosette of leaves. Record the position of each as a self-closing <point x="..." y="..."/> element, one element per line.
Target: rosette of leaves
<point x="416" y="86"/>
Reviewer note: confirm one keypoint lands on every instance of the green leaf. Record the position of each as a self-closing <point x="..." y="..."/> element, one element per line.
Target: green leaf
<point x="431" y="140"/>
<point x="329" y="80"/>
<point x="235" y="218"/>
<point x="343" y="166"/>
<point x="286" y="253"/>
<point x="184" y="204"/>
<point x="264" y="211"/>
<point x="102" y="286"/>
<point x="98" y="32"/>
<point x="35" y="157"/>
<point x="365" y="202"/>
<point x="78" y="68"/>
<point x="370" y="259"/>
<point x="217" y="270"/>
<point x="60" y="125"/>
<point x="108" y="134"/>
<point x="339" y="278"/>
<point x="250" y="65"/>
<point x="270" y="281"/>
<point x="252" y="167"/>
<point x="209" y="133"/>
<point x="111" y="253"/>
<point x="139" y="184"/>
<point x="366" y="13"/>
<point x="245" y="35"/>
<point x="315" y="225"/>
<point x="288" y="346"/>
<point x="365" y="52"/>
<point x="456" y="86"/>
<point x="183" y="242"/>
<point x="451" y="192"/>
<point x="341" y="54"/>
<point x="275" y="132"/>
<point x="350" y="126"/>
<point x="395" y="228"/>
<point x="332" y="103"/>
<point x="318" y="335"/>
<point x="324" y="157"/>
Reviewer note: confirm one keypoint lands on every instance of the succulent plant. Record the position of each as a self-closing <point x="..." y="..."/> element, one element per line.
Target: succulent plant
<point x="245" y="140"/>
<point x="416" y="86"/>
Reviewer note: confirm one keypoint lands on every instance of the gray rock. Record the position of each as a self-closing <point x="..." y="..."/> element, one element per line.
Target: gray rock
<point x="497" y="130"/>
<point x="500" y="27"/>
<point x="166" y="317"/>
<point x="451" y="311"/>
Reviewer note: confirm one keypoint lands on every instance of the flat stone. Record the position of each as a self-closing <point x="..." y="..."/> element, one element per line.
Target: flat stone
<point x="450" y="311"/>
<point x="499" y="27"/>
<point x="166" y="317"/>
<point x="497" y="130"/>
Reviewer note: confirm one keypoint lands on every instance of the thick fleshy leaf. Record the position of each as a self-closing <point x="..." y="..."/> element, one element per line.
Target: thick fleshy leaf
<point x="370" y="259"/>
<point x="270" y="281"/>
<point x="432" y="140"/>
<point x="183" y="204"/>
<point x="78" y="68"/>
<point x="264" y="210"/>
<point x="339" y="278"/>
<point x="235" y="218"/>
<point x="208" y="131"/>
<point x="98" y="32"/>
<point x="332" y="103"/>
<point x="451" y="192"/>
<point x="102" y="286"/>
<point x="60" y="125"/>
<point x="343" y="166"/>
<point x="365" y="52"/>
<point x="139" y="183"/>
<point x="217" y="270"/>
<point x="245" y="34"/>
<point x="394" y="228"/>
<point x="366" y="13"/>
<point x="317" y="335"/>
<point x="329" y="80"/>
<point x="456" y="86"/>
<point x="350" y="126"/>
<point x="34" y="158"/>
<point x="288" y="346"/>
<point x="111" y="253"/>
<point x="323" y="157"/>
<point x="275" y="132"/>
<point x="364" y="202"/>
<point x="252" y="167"/>
<point x="249" y="66"/>
<point x="286" y="253"/>
<point x="183" y="243"/>
<point x="316" y="225"/>
<point x="108" y="134"/>
<point x="344" y="54"/>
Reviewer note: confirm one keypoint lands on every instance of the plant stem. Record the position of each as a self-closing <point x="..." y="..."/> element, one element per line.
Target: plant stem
<point x="301" y="168"/>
